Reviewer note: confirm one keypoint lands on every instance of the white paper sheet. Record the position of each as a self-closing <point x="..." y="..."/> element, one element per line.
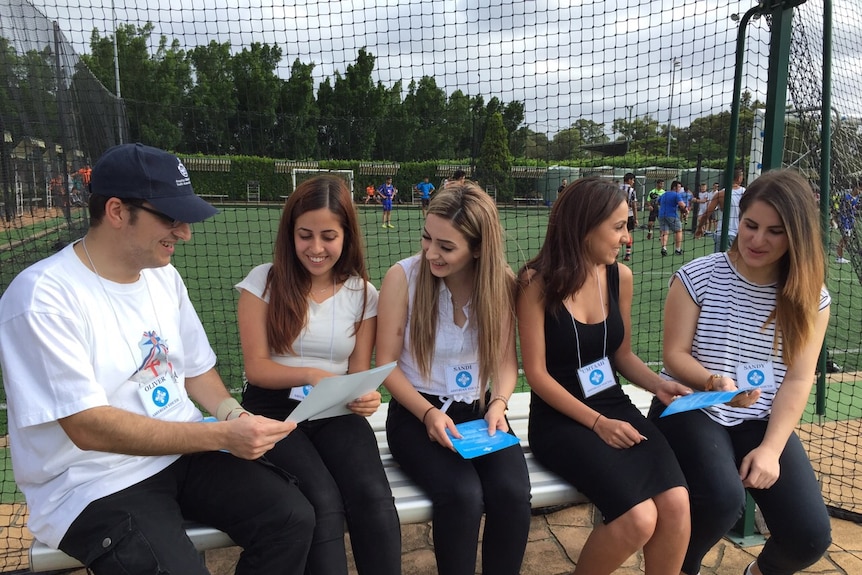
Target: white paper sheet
<point x="331" y="395"/>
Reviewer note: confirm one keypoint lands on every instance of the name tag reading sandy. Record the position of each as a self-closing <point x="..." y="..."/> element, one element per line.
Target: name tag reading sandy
<point x="159" y="395"/>
<point x="756" y="375"/>
<point x="596" y="377"/>
<point x="300" y="393"/>
<point x="462" y="378"/>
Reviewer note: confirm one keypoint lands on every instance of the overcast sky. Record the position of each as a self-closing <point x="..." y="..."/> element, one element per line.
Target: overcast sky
<point x="565" y="59"/>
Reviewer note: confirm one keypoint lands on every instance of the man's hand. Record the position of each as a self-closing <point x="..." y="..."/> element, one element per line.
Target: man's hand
<point x="250" y="437"/>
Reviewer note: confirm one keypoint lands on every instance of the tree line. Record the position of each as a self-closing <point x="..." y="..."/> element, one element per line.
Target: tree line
<point x="213" y="100"/>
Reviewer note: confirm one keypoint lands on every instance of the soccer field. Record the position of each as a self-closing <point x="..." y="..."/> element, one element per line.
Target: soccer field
<point x="223" y="250"/>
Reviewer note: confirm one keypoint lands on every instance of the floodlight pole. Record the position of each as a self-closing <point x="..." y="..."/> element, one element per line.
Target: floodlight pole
<point x="676" y="64"/>
<point x="117" y="77"/>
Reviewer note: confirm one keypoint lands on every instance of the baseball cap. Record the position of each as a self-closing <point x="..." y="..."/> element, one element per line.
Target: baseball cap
<point x="136" y="171"/>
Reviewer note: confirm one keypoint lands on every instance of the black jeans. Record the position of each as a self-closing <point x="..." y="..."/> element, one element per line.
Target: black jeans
<point x="710" y="454"/>
<point x="337" y="467"/>
<point x="139" y="530"/>
<point x="461" y="490"/>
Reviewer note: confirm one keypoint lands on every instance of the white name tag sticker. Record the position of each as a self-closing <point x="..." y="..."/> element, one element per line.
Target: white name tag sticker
<point x="159" y="395"/>
<point x="300" y="393"/>
<point x="462" y="378"/>
<point x="596" y="377"/>
<point x="757" y="375"/>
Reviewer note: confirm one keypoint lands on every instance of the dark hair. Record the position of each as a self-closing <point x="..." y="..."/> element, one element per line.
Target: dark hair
<point x="562" y="260"/>
<point x="628" y="176"/>
<point x="288" y="282"/>
<point x="97" y="205"/>
<point x="459" y="174"/>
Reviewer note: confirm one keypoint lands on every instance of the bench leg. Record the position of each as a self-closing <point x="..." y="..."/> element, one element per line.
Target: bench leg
<point x="744" y="533"/>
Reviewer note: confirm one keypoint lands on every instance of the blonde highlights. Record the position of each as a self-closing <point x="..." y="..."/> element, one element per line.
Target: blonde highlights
<point x="473" y="213"/>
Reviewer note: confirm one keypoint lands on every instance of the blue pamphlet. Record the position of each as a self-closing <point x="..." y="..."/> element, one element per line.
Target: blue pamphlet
<point x="699" y="400"/>
<point x="476" y="442"/>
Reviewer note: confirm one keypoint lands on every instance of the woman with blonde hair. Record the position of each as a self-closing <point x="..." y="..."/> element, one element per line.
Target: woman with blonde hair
<point x="752" y="319"/>
<point x="447" y="317"/>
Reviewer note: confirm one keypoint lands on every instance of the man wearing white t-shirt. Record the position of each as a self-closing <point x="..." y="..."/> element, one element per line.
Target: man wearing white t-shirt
<point x="717" y="203"/>
<point x="102" y="356"/>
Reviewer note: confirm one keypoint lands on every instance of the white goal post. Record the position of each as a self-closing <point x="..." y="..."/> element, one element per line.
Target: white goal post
<point x="299" y="175"/>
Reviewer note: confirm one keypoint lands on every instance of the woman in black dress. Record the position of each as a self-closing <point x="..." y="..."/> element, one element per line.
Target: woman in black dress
<point x="574" y="319"/>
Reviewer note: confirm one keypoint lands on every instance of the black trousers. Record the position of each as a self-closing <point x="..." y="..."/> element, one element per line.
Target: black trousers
<point x="139" y="530"/>
<point x="460" y="489"/>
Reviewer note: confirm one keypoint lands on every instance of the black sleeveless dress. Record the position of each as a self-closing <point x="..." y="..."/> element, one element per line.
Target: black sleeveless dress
<point x="615" y="480"/>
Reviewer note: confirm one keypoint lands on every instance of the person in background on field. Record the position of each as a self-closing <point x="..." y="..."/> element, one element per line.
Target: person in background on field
<point x="458" y="177"/>
<point x="574" y="319"/>
<point x="717" y="203"/>
<point x="310" y="314"/>
<point x="387" y="193"/>
<point x="449" y="322"/>
<point x="103" y="359"/>
<point x="369" y="194"/>
<point x="670" y="205"/>
<point x="628" y="188"/>
<point x="425" y="189"/>
<point x="562" y="187"/>
<point x="847" y="210"/>
<point x="652" y="205"/>
<point x="687" y="198"/>
<point x="702" y="199"/>
<point x="752" y="319"/>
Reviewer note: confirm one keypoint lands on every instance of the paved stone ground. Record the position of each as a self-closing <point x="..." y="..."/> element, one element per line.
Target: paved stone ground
<point x="557" y="538"/>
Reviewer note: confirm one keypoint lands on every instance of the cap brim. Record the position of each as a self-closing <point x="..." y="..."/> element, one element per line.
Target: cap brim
<point x="188" y="208"/>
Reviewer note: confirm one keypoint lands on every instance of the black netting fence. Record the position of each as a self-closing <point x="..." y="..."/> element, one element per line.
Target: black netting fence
<point x="520" y="95"/>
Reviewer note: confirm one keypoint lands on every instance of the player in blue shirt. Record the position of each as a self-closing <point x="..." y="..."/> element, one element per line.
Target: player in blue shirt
<point x="425" y="189"/>
<point x="387" y="193"/>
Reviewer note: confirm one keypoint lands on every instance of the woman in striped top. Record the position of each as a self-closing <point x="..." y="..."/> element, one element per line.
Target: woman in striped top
<point x="752" y="319"/>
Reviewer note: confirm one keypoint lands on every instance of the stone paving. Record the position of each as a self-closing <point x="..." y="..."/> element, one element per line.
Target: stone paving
<point x="557" y="538"/>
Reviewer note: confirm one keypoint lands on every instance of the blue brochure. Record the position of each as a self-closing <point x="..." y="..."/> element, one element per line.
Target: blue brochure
<point x="476" y="442"/>
<point x="699" y="400"/>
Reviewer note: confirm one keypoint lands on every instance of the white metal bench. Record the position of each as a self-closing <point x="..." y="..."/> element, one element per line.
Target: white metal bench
<point x="547" y="489"/>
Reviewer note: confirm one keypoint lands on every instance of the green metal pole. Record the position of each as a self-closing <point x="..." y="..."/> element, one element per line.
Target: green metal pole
<point x="825" y="186"/>
<point x="734" y="122"/>
<point x="776" y="86"/>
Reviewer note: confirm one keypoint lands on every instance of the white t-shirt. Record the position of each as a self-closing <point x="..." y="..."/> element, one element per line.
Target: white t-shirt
<point x="729" y="328"/>
<point x="328" y="338"/>
<point x="733" y="220"/>
<point x="72" y="341"/>
<point x="453" y="345"/>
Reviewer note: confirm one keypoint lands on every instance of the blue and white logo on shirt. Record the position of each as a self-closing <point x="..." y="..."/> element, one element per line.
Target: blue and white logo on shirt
<point x="161" y="396"/>
<point x="464" y="379"/>
<point x="756" y="377"/>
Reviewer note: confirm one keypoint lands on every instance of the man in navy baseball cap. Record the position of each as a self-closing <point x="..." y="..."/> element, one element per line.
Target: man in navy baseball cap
<point x="139" y="172"/>
<point x="106" y="368"/>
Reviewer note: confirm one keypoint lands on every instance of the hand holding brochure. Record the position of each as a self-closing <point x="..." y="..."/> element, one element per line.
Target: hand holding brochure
<point x="699" y="400"/>
<point x="332" y="394"/>
<point x="476" y="442"/>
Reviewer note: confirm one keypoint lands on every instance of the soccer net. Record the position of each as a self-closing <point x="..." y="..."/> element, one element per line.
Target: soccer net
<point x="299" y="175"/>
<point x="518" y="98"/>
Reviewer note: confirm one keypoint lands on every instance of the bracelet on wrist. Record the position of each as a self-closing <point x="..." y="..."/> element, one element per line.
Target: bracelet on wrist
<point x="710" y="381"/>
<point x="593" y="428"/>
<point x="427" y="411"/>
<point x="501" y="398"/>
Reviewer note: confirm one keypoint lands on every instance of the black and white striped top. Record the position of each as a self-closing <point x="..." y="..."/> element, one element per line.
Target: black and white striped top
<point x="730" y="329"/>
